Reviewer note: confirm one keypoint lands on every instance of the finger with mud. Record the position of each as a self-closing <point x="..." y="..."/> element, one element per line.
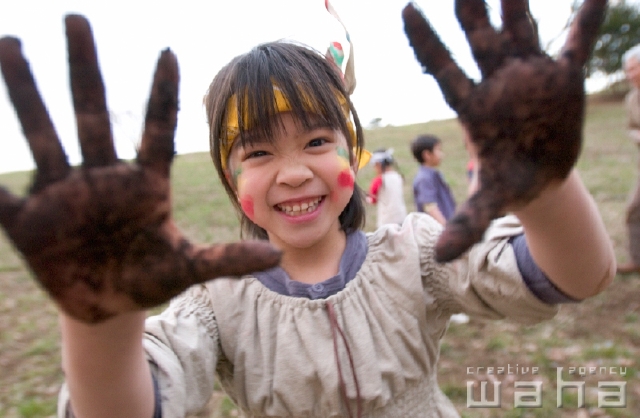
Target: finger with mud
<point x="51" y="161"/>
<point x="435" y="58"/>
<point x="583" y="32"/>
<point x="157" y="148"/>
<point x="487" y="45"/>
<point x="467" y="226"/>
<point x="9" y="207"/>
<point x="518" y="23"/>
<point x="235" y="259"/>
<point x="88" y="93"/>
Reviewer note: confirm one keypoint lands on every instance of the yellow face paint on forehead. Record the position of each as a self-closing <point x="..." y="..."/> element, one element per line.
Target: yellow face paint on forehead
<point x="231" y="128"/>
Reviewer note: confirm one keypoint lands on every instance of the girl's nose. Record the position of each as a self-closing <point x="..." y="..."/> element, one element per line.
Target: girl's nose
<point x="293" y="174"/>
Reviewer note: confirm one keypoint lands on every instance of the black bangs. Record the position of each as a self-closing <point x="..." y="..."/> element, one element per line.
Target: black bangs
<point x="301" y="75"/>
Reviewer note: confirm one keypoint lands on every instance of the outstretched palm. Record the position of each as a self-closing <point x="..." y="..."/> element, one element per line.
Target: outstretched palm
<point x="100" y="238"/>
<point x="524" y="117"/>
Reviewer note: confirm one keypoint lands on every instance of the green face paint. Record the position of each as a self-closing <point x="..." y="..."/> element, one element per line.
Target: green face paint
<point x="235" y="175"/>
<point x="343" y="153"/>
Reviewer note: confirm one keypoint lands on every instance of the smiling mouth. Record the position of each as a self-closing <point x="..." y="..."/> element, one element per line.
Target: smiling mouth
<point x="300" y="208"/>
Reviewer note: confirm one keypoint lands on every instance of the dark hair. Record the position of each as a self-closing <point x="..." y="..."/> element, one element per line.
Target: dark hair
<point x="312" y="87"/>
<point x="422" y="143"/>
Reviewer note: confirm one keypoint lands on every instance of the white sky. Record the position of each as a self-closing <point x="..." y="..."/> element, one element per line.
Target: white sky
<point x="205" y="35"/>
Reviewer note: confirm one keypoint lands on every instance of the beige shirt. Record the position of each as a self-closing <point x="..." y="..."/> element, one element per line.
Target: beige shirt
<point x="274" y="354"/>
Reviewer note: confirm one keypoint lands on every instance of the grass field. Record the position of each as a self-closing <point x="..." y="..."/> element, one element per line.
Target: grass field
<point x="603" y="331"/>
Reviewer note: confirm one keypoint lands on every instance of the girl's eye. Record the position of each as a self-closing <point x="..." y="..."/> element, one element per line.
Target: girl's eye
<point x="317" y="142"/>
<point x="255" y="154"/>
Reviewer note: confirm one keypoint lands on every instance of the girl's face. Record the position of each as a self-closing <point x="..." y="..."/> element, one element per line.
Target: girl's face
<point x="296" y="186"/>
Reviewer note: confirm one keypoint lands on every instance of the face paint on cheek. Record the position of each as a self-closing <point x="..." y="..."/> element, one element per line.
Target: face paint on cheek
<point x="246" y="202"/>
<point x="345" y="179"/>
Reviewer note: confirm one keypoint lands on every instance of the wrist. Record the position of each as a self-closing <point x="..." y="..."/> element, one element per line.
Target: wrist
<point x="555" y="198"/>
<point x="105" y="366"/>
<point x="567" y="238"/>
<point x="114" y="337"/>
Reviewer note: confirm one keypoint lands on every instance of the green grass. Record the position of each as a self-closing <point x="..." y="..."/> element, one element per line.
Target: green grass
<point x="603" y="330"/>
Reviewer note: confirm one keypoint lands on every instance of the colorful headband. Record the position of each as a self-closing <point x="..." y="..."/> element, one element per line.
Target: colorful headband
<point x="232" y="127"/>
<point x="382" y="156"/>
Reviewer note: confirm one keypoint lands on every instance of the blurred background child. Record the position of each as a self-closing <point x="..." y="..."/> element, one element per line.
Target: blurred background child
<point x="386" y="189"/>
<point x="431" y="193"/>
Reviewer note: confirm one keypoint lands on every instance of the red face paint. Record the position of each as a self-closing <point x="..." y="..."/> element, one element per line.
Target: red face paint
<point x="246" y="202"/>
<point x="345" y="179"/>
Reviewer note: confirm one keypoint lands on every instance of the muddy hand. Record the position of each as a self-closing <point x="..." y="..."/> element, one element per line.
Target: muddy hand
<point x="525" y="116"/>
<point x="100" y="238"/>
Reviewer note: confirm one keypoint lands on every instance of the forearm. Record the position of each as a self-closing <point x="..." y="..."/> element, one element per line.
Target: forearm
<point x="568" y="240"/>
<point x="432" y="209"/>
<point x="105" y="367"/>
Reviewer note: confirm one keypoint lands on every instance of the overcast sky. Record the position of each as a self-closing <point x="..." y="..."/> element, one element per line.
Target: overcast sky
<point x="205" y="35"/>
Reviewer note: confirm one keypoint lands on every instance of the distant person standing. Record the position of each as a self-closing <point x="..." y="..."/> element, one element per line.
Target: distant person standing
<point x="386" y="189"/>
<point x="631" y="65"/>
<point x="431" y="193"/>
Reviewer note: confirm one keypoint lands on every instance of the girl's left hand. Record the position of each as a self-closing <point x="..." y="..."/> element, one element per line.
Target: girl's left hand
<point x="524" y="117"/>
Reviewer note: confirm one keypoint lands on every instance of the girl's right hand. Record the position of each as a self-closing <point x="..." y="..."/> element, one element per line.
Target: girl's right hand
<point x="100" y="238"/>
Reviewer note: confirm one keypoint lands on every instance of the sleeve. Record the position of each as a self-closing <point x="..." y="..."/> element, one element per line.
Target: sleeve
<point x="486" y="282"/>
<point x="182" y="348"/>
<point x="425" y="191"/>
<point x="534" y="277"/>
<point x="65" y="411"/>
<point x="182" y="345"/>
<point x="374" y="188"/>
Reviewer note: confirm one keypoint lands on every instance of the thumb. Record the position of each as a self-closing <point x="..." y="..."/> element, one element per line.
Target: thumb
<point x="467" y="226"/>
<point x="235" y="259"/>
<point x="9" y="207"/>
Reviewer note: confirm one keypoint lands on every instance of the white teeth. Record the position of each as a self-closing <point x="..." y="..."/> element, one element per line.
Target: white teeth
<point x="300" y="208"/>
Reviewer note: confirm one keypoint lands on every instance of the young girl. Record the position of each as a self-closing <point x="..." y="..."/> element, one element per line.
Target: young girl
<point x="349" y="324"/>
<point x="386" y="189"/>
